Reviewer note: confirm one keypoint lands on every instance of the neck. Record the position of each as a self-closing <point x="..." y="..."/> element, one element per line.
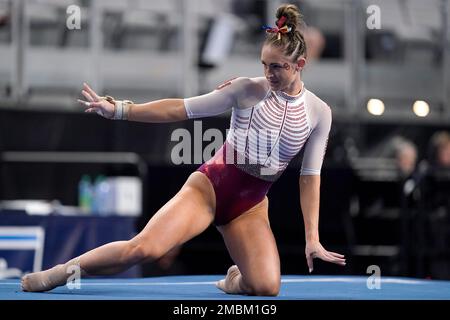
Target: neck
<point x="294" y="88"/>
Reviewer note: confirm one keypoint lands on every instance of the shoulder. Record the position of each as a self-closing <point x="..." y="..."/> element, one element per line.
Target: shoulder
<point x="313" y="101"/>
<point x="244" y="84"/>
<point x="247" y="91"/>
<point x="260" y="82"/>
<point x="319" y="111"/>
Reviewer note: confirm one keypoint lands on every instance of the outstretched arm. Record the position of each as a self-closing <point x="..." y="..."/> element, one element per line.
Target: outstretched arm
<point x="166" y="110"/>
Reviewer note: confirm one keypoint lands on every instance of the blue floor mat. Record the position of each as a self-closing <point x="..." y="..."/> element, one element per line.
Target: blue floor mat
<point x="203" y="288"/>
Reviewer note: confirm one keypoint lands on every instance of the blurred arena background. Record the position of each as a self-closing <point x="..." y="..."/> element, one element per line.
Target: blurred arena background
<point x="382" y="65"/>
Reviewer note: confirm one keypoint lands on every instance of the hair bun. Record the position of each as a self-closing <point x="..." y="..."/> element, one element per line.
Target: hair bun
<point x="288" y="32"/>
<point x="291" y="16"/>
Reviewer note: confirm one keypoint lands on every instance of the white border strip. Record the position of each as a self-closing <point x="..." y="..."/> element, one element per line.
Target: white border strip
<point x="362" y="280"/>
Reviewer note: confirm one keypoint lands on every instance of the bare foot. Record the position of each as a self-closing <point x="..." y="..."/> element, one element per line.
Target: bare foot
<point x="44" y="280"/>
<point x="230" y="284"/>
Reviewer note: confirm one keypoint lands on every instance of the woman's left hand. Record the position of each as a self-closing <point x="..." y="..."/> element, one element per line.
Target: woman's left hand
<point x="314" y="249"/>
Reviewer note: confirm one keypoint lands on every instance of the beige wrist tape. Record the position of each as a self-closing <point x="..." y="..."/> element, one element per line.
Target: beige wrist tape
<point x="121" y="107"/>
<point x="121" y="110"/>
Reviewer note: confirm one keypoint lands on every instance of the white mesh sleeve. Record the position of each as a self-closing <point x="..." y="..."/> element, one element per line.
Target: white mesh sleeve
<point x="317" y="142"/>
<point x="216" y="102"/>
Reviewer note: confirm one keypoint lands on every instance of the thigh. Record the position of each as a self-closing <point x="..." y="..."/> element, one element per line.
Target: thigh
<point x="251" y="244"/>
<point x="183" y="217"/>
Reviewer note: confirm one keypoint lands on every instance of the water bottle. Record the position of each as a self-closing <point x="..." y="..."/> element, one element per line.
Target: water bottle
<point x="96" y="195"/>
<point x="102" y="196"/>
<point x="85" y="194"/>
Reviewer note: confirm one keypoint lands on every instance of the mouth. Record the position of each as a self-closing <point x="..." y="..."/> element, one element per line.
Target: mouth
<point x="273" y="82"/>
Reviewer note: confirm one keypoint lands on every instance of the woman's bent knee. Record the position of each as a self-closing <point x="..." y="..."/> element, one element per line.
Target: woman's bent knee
<point x="266" y="288"/>
<point x="271" y="291"/>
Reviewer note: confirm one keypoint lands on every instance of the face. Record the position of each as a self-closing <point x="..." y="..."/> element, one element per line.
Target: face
<point x="279" y="70"/>
<point x="444" y="155"/>
<point x="406" y="160"/>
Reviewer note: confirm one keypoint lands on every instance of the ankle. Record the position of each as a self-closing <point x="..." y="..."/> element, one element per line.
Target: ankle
<point x="74" y="265"/>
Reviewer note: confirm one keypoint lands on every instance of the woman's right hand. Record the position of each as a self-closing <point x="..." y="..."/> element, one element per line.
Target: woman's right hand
<point x="95" y="103"/>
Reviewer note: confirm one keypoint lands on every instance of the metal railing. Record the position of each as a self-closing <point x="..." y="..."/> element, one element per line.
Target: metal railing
<point x="345" y="83"/>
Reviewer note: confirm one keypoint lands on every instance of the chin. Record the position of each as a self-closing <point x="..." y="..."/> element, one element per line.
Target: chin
<point x="275" y="87"/>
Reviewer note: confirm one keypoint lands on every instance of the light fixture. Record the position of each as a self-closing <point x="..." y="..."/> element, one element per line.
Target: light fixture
<point x="421" y="108"/>
<point x="375" y="107"/>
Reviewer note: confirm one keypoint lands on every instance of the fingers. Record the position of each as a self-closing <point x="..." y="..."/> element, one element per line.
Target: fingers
<point x="96" y="110"/>
<point x="92" y="106"/>
<point x="324" y="255"/>
<point x="85" y="103"/>
<point x="90" y="91"/>
<point x="333" y="259"/>
<point x="87" y="95"/>
<point x="338" y="258"/>
<point x="96" y="104"/>
<point x="335" y="254"/>
<point x="309" y="261"/>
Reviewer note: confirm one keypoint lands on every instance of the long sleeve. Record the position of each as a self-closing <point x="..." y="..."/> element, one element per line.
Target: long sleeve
<point x="222" y="99"/>
<point x="317" y="143"/>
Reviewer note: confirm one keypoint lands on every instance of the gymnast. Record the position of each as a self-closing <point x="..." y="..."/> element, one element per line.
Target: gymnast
<point x="272" y="119"/>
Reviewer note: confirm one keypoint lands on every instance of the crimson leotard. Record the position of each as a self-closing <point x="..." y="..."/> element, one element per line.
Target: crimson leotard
<point x="236" y="191"/>
<point x="266" y="132"/>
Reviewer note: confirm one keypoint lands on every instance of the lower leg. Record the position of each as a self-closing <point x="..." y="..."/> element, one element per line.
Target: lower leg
<point x="108" y="259"/>
<point x="183" y="217"/>
<point x="252" y="247"/>
<point x="112" y="258"/>
<point x="234" y="283"/>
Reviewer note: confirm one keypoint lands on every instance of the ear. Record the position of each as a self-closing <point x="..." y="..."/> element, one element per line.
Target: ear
<point x="301" y="63"/>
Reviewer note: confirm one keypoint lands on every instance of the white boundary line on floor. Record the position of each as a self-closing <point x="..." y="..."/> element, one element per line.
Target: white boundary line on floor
<point x="329" y="279"/>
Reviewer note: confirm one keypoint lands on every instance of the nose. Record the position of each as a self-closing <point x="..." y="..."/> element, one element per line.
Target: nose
<point x="268" y="73"/>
